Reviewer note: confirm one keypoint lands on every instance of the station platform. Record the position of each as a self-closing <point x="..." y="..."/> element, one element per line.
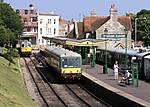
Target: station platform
<point x="139" y="94"/>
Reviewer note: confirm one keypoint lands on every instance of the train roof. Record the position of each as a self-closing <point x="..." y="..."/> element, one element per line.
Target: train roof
<point x="143" y="54"/>
<point x="147" y="57"/>
<point x="121" y="51"/>
<point x="129" y="52"/>
<point x="62" y="52"/>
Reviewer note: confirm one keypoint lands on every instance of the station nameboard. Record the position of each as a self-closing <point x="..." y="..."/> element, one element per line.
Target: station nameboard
<point x="113" y="36"/>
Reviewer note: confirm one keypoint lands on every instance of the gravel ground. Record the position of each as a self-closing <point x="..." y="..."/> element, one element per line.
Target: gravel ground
<point x="31" y="88"/>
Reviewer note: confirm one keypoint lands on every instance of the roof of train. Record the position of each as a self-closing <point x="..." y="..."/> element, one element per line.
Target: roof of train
<point x="62" y="52"/>
<point x="147" y="57"/>
<point x="118" y="50"/>
<point x="143" y="54"/>
<point x="129" y="52"/>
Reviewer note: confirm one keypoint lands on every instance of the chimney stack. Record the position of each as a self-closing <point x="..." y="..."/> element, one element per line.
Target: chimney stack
<point x="113" y="12"/>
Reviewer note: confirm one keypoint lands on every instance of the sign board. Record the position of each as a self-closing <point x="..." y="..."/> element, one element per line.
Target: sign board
<point x="113" y="36"/>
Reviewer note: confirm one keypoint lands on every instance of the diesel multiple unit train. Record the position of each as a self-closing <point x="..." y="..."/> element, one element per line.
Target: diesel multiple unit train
<point x="25" y="48"/>
<point x="67" y="63"/>
<point x="133" y="57"/>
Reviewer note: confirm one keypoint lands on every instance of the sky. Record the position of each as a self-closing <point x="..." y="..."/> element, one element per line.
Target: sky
<point x="75" y="9"/>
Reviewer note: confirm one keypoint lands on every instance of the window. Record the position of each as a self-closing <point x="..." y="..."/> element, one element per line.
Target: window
<point x="42" y="40"/>
<point x="31" y="11"/>
<point x="22" y="45"/>
<point x="49" y="21"/>
<point x="54" y="31"/>
<point x="24" y="29"/>
<point x="54" y="21"/>
<point x="49" y="30"/>
<point x="29" y="29"/>
<point x="25" y="19"/>
<point x="40" y="21"/>
<point x="33" y="19"/>
<point x="35" y="29"/>
<point x="17" y="11"/>
<point x="40" y="30"/>
<point x="26" y="11"/>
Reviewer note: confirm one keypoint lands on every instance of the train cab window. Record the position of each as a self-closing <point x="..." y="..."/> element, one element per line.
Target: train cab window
<point x="64" y="63"/>
<point x="70" y="62"/>
<point x="77" y="62"/>
<point x="29" y="45"/>
<point x="22" y="45"/>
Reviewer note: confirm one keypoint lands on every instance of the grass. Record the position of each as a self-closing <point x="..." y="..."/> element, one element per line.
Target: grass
<point x="12" y="90"/>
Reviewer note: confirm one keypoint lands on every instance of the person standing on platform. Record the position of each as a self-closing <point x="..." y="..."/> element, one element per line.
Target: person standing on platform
<point x="116" y="70"/>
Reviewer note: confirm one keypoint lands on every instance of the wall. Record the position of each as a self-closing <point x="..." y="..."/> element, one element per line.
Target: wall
<point x="113" y="27"/>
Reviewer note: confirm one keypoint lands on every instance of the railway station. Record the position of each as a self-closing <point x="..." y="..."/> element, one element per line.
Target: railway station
<point x="47" y="60"/>
<point x="136" y="94"/>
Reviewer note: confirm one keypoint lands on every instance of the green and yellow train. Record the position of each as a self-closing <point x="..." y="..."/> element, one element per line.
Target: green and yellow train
<point x="25" y="48"/>
<point x="67" y="63"/>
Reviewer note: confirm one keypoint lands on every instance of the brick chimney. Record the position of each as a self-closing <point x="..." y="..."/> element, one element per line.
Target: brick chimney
<point x="113" y="12"/>
<point x="93" y="12"/>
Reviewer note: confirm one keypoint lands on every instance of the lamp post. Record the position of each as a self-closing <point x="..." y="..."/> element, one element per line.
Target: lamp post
<point x="136" y="28"/>
<point x="105" y="66"/>
<point x="126" y="33"/>
<point x="93" y="51"/>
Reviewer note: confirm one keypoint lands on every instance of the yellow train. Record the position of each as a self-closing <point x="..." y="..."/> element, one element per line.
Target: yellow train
<point x="26" y="48"/>
<point x="67" y="63"/>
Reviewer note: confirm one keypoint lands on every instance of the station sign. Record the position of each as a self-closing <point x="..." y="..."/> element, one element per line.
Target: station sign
<point x="113" y="36"/>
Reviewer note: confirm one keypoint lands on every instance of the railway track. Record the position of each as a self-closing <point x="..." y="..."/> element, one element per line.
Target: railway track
<point x="47" y="94"/>
<point x="73" y="95"/>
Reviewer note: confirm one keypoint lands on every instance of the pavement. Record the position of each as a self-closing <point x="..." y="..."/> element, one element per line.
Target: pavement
<point x="142" y="91"/>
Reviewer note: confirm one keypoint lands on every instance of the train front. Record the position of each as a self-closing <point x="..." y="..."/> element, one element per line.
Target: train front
<point x="71" y="68"/>
<point x="26" y="48"/>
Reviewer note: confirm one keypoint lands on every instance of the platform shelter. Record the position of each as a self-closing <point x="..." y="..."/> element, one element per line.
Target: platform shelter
<point x="85" y="47"/>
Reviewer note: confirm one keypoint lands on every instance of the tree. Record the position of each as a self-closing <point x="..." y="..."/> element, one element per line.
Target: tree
<point x="11" y="22"/>
<point x="143" y="26"/>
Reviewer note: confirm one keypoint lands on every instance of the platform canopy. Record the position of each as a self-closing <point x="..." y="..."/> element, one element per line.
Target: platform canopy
<point x="75" y="42"/>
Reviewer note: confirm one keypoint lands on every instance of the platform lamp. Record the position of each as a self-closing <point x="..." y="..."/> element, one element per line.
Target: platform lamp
<point x="105" y="66"/>
<point x="93" y="49"/>
<point x="126" y="33"/>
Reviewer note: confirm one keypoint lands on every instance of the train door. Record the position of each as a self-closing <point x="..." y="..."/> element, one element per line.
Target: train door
<point x="147" y="67"/>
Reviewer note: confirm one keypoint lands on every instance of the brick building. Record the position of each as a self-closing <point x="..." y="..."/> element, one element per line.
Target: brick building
<point x="29" y="21"/>
<point x="93" y="27"/>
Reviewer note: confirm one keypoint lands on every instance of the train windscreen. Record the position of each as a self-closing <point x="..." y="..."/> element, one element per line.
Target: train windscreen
<point x="71" y="62"/>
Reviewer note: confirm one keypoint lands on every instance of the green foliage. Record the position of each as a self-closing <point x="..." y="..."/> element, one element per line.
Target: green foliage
<point x="10" y="25"/>
<point x="10" y="54"/>
<point x="6" y="36"/>
<point x="143" y="26"/>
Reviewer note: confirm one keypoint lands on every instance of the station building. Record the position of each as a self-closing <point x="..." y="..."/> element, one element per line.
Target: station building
<point x="94" y="27"/>
<point x="95" y="32"/>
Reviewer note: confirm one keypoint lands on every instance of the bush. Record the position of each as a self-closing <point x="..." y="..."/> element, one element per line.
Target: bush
<point x="9" y="54"/>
